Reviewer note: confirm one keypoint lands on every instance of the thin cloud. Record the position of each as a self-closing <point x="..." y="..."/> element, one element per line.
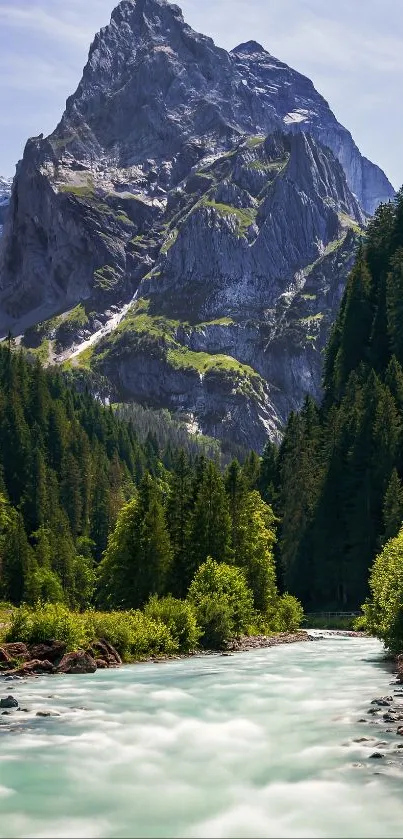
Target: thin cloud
<point x="69" y="22"/>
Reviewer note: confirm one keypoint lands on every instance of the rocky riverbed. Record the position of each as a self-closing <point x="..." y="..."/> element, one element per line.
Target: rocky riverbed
<point x="386" y="714"/>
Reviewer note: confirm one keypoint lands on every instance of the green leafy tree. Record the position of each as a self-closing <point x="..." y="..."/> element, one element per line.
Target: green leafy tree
<point x="223" y="601"/>
<point x="384" y="610"/>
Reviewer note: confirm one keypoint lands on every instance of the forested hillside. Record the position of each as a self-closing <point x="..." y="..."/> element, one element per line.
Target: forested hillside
<point x="91" y="515"/>
<point x="337" y="478"/>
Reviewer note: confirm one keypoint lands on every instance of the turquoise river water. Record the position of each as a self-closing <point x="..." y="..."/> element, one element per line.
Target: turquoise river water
<point x="257" y="744"/>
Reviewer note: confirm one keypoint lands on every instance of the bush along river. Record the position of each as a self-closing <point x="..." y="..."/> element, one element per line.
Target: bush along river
<point x="283" y="742"/>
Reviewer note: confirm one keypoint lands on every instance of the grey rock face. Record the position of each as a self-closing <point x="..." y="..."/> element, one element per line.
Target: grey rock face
<point x="301" y="108"/>
<point x="5" y="193"/>
<point x="213" y="187"/>
<point x="231" y="283"/>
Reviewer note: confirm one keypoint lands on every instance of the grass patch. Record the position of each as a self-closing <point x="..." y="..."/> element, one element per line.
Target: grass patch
<point x="171" y="239"/>
<point x="269" y="166"/>
<point x="43" y="352"/>
<point x="318" y="317"/>
<point x="216" y="322"/>
<point x="83" y="361"/>
<point x="329" y="622"/>
<point x="245" y="217"/>
<point x="244" y="378"/>
<point x="347" y="221"/>
<point x="256" y="140"/>
<point x="86" y="191"/>
<point x="138" y="320"/>
<point x="106" y="277"/>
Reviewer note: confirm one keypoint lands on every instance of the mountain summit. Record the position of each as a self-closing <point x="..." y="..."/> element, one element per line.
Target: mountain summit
<point x="186" y="231"/>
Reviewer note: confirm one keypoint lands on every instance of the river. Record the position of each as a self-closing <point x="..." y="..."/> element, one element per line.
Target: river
<point x="257" y="744"/>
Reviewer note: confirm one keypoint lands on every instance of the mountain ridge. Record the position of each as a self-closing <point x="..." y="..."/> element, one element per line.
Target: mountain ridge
<point x="175" y="177"/>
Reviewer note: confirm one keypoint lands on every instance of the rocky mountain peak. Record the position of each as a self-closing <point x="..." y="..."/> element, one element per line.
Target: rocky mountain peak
<point x="201" y="208"/>
<point x="249" y="48"/>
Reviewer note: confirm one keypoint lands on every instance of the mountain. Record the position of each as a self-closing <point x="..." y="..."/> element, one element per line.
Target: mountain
<point x="189" y="226"/>
<point x="338" y="478"/>
<point x="5" y="193"/>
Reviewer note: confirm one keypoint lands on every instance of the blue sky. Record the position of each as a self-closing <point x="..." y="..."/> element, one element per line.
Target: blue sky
<point x="351" y="49"/>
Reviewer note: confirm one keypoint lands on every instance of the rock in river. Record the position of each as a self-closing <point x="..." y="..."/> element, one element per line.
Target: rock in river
<point x="9" y="702"/>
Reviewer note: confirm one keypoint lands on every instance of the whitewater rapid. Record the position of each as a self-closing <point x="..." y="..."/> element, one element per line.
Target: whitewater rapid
<point x="257" y="744"/>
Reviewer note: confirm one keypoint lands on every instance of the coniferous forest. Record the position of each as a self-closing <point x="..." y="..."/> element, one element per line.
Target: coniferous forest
<point x="91" y="517"/>
<point x="336" y="481"/>
<point x="94" y="516"/>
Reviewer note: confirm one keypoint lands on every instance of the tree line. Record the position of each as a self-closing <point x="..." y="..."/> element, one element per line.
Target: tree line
<point x="336" y="480"/>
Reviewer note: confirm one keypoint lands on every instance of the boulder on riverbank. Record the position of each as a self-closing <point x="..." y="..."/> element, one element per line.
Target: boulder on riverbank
<point x="50" y="656"/>
<point x="78" y="662"/>
<point x="14" y="651"/>
<point x="103" y="650"/>
<point x="48" y="651"/>
<point x="32" y="668"/>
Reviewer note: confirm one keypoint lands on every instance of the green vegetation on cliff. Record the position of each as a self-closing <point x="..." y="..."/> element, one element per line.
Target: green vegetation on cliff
<point x="140" y="331"/>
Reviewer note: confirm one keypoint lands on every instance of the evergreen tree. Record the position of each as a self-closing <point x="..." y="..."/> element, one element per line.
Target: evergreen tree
<point x="178" y="512"/>
<point x="137" y="560"/>
<point x="210" y="524"/>
<point x="393" y="507"/>
<point x="394" y="304"/>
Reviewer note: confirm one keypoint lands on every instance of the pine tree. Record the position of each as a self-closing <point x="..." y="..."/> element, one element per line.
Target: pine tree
<point x="137" y="560"/>
<point x="269" y="478"/>
<point x="354" y="326"/>
<point x="210" y="524"/>
<point x="394" y="304"/>
<point x="393" y="507"/>
<point x="178" y="512"/>
<point x="15" y="554"/>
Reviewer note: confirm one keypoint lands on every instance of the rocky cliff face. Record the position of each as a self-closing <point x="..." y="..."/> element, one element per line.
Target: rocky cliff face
<point x="5" y="193"/>
<point x="219" y="193"/>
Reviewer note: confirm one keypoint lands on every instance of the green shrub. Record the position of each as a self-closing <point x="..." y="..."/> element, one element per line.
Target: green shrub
<point x="222" y="600"/>
<point x="48" y="621"/>
<point x="133" y="634"/>
<point x="289" y="613"/>
<point x="360" y="624"/>
<point x="215" y="617"/>
<point x="180" y="618"/>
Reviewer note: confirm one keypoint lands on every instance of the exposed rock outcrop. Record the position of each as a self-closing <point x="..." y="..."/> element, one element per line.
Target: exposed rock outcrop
<point x="5" y="193"/>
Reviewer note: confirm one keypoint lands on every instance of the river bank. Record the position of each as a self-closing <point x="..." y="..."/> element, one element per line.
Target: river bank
<point x="19" y="660"/>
